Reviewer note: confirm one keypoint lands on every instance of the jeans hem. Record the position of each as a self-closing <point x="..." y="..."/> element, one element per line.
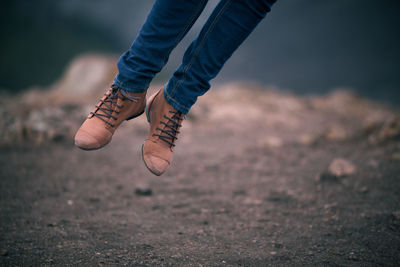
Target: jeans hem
<point x="128" y="87"/>
<point x="175" y="103"/>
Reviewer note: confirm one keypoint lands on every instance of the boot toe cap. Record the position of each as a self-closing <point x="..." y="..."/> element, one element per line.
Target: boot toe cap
<point x="86" y="141"/>
<point x="156" y="164"/>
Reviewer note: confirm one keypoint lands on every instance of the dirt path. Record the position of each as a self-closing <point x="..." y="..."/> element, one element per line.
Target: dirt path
<point x="245" y="189"/>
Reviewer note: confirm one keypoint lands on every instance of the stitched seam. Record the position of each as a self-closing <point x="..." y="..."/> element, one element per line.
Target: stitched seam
<point x="196" y="52"/>
<point x="129" y="86"/>
<point x="176" y="102"/>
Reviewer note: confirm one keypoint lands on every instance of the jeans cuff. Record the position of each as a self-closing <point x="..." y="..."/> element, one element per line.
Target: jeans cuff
<point x="128" y="87"/>
<point x="176" y="104"/>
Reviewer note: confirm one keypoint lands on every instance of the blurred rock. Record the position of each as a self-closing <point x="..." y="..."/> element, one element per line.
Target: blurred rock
<point x="341" y="101"/>
<point x="337" y="169"/>
<point x="57" y="123"/>
<point x="54" y="114"/>
<point x="341" y="167"/>
<point x="87" y="78"/>
<point x="382" y="131"/>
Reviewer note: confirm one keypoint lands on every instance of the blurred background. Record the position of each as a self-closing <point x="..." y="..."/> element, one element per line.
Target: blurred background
<point x="304" y="46"/>
<point x="284" y="180"/>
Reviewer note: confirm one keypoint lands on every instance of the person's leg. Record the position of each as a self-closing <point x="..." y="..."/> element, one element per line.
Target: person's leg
<point x="166" y="25"/>
<point x="228" y="26"/>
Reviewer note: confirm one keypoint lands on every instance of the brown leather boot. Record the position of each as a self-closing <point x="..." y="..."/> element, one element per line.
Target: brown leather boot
<point x="165" y="122"/>
<point x="116" y="106"/>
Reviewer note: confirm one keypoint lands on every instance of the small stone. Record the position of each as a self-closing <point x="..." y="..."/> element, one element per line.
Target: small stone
<point x="353" y="257"/>
<point x="70" y="202"/>
<point x="273" y="253"/>
<point x="341" y="167"/>
<point x="177" y="255"/>
<point x="143" y="191"/>
<point x="364" y="190"/>
<point x="4" y="252"/>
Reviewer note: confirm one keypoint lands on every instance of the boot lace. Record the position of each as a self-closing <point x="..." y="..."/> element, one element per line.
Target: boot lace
<point x="108" y="104"/>
<point x="170" y="131"/>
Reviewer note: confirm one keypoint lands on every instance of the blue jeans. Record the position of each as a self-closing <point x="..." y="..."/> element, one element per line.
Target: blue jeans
<point x="169" y="20"/>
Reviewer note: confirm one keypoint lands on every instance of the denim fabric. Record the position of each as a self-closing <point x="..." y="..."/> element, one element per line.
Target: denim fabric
<point x="169" y="20"/>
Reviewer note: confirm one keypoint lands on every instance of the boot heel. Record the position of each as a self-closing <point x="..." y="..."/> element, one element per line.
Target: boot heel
<point x="148" y="105"/>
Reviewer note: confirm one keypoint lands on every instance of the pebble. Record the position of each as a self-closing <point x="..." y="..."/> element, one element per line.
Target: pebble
<point x="364" y="190"/>
<point x="353" y="257"/>
<point x="341" y="167"/>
